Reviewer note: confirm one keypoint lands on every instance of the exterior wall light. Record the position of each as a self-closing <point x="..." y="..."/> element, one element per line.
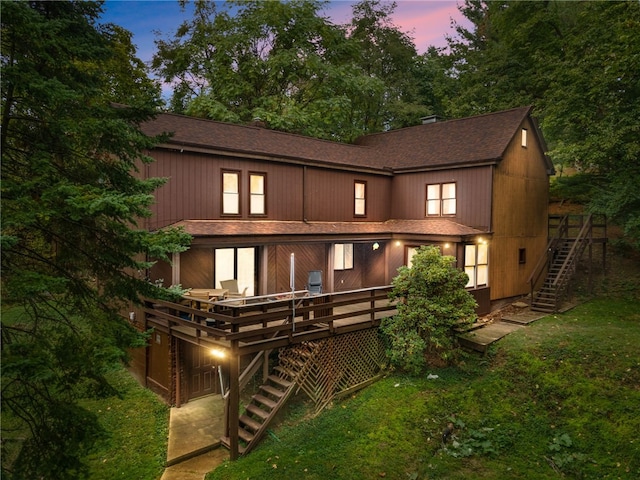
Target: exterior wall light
<point x="397" y="243"/>
<point x="376" y="246"/>
<point x="217" y="353"/>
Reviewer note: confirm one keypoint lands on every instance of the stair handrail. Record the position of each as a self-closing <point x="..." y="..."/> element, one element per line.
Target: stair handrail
<point x="586" y="227"/>
<point x="561" y="232"/>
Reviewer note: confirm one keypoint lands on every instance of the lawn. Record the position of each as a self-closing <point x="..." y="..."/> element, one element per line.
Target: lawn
<point x="560" y="397"/>
<point x="137" y="425"/>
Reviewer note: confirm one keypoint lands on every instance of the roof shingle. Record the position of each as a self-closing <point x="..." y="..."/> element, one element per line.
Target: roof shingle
<point x="466" y="141"/>
<point x="215" y="228"/>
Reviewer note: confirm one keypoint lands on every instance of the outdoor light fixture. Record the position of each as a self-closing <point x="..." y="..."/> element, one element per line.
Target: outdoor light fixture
<point x="397" y="243"/>
<point x="446" y="245"/>
<point x="376" y="246"/>
<point x="216" y="352"/>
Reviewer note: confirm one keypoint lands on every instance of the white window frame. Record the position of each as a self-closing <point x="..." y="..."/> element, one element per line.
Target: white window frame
<point x="343" y="256"/>
<point x="441" y="199"/>
<point x="230" y="193"/>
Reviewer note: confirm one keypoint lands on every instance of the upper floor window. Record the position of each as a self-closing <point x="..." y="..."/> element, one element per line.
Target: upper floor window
<point x="257" y="203"/>
<point x="360" y="198"/>
<point x="343" y="256"/>
<point x="230" y="193"/>
<point x="441" y="199"/>
<point x="476" y="264"/>
<point x="524" y="137"/>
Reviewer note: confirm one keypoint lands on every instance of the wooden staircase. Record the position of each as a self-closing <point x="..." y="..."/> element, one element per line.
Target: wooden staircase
<point x="562" y="256"/>
<point x="271" y="397"/>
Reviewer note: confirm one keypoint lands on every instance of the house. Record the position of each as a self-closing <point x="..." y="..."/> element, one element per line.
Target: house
<point x="477" y="187"/>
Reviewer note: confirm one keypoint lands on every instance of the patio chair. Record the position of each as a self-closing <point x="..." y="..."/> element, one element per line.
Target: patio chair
<point x="314" y="282"/>
<point x="232" y="286"/>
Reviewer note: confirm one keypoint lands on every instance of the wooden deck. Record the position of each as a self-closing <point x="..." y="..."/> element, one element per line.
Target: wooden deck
<point x="272" y="321"/>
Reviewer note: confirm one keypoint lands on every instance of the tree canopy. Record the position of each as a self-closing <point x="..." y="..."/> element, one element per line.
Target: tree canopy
<point x="287" y="65"/>
<point x="73" y="247"/>
<point x="578" y="64"/>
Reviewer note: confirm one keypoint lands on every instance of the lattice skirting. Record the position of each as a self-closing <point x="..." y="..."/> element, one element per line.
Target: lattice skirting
<point x="324" y="369"/>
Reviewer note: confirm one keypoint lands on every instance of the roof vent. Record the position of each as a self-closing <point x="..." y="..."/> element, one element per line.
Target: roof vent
<point x="431" y="119"/>
<point x="258" y="122"/>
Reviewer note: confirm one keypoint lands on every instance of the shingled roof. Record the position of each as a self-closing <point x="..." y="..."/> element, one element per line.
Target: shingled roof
<point x="255" y="142"/>
<point x="223" y="228"/>
<point x="461" y="142"/>
<point x="472" y="140"/>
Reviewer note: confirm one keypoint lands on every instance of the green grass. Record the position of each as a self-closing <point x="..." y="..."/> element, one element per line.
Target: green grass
<point x="137" y="425"/>
<point x="560" y="397"/>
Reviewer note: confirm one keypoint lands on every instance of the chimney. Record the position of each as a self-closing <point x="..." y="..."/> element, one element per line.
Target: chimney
<point x="430" y="119"/>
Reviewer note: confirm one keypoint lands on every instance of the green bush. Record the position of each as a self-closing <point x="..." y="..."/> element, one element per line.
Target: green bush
<point x="432" y="305"/>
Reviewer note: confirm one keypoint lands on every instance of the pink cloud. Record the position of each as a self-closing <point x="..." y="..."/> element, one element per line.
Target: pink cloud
<point x="426" y="21"/>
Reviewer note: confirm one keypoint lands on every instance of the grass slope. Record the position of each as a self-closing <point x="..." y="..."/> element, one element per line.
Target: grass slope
<point x="560" y="397"/>
<point x="137" y="425"/>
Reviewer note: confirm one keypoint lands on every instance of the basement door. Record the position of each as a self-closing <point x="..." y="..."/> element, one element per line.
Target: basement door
<point x="200" y="372"/>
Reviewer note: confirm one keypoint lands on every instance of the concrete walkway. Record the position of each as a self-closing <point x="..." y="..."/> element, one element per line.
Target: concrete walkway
<point x="509" y="320"/>
<point x="194" y="447"/>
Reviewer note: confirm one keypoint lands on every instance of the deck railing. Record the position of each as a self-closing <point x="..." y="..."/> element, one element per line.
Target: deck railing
<point x="265" y="322"/>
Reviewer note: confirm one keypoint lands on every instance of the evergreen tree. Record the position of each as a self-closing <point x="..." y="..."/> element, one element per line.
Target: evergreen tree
<point x="72" y="246"/>
<point x="577" y="63"/>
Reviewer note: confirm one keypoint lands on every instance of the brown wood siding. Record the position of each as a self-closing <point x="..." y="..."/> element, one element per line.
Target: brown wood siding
<point x="193" y="188"/>
<point x="161" y="271"/>
<point x="473" y="195"/>
<point x="307" y="258"/>
<point x="520" y="211"/>
<point x="330" y="196"/>
<point x="158" y="357"/>
<point x="373" y="265"/>
<point x="196" y="268"/>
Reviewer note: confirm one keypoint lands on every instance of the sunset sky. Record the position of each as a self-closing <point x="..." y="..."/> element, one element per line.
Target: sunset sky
<point x="426" y="21"/>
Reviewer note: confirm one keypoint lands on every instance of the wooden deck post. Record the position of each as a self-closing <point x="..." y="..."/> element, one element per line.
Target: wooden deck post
<point x="234" y="399"/>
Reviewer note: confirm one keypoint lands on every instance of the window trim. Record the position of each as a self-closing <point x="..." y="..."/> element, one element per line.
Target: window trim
<point x="522" y="256"/>
<point x="362" y="199"/>
<point x="252" y="195"/>
<point x="472" y="266"/>
<point x="440" y="200"/>
<point x="224" y="194"/>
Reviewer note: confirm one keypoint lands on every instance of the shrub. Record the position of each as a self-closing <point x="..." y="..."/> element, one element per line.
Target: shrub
<point x="432" y="304"/>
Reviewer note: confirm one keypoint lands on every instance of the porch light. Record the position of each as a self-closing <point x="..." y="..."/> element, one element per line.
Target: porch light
<point x="446" y="245"/>
<point x="216" y="352"/>
<point x="397" y="243"/>
<point x="376" y="246"/>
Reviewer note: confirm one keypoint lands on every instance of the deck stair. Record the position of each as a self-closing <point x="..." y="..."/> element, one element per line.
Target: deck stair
<point x="562" y="258"/>
<point x="271" y="397"/>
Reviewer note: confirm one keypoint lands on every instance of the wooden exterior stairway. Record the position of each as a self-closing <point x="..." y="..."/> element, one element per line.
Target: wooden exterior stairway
<point x="560" y="262"/>
<point x="271" y="397"/>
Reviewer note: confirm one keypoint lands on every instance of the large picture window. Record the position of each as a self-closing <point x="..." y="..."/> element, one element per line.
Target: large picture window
<point x="230" y="193"/>
<point x="343" y="256"/>
<point x="257" y="201"/>
<point x="476" y="265"/>
<point x="441" y="199"/>
<point x="360" y="198"/>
